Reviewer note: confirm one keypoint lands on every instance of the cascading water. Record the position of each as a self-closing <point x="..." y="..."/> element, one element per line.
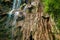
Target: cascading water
<point x="12" y="16"/>
<point x="16" y="5"/>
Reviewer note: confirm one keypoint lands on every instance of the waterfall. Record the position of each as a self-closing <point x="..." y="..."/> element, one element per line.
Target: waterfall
<point x="12" y="16"/>
<point x="16" y="5"/>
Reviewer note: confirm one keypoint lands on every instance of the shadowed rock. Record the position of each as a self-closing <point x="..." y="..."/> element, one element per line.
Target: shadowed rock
<point x="2" y="15"/>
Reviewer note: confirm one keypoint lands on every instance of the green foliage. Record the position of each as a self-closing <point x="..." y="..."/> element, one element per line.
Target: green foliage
<point x="53" y="7"/>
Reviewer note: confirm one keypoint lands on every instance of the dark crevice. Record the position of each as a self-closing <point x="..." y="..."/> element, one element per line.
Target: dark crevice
<point x="31" y="37"/>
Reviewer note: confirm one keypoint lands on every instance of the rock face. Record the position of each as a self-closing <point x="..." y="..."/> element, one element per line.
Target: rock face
<point x="34" y="27"/>
<point x="29" y="24"/>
